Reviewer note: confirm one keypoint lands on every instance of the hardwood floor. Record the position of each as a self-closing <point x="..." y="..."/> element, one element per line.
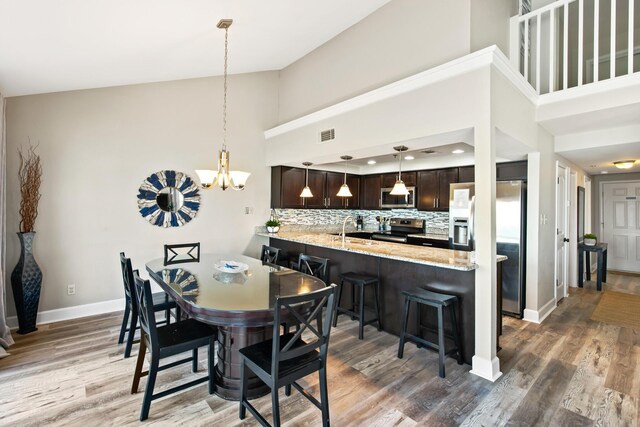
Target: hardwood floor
<point x="568" y="371"/>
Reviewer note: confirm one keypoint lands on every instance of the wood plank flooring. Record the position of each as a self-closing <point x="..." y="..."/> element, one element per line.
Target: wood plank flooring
<point x="568" y="371"/>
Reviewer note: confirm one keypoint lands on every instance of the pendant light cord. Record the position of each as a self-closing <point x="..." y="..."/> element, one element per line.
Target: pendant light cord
<point x="224" y="101"/>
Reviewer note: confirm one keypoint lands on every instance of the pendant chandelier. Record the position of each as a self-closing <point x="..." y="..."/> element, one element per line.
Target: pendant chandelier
<point x="344" y="189"/>
<point x="306" y="191"/>
<point x="399" y="189"/>
<point x="223" y="177"/>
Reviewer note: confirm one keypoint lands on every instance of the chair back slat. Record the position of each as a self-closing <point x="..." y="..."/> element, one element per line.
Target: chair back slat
<point x="182" y="252"/>
<point x="314" y="266"/>
<point x="270" y="255"/>
<point x="144" y="300"/>
<point x="127" y="279"/>
<point x="306" y="309"/>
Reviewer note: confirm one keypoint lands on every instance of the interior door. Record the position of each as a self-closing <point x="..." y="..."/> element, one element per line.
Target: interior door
<point x="561" y="232"/>
<point x="621" y="225"/>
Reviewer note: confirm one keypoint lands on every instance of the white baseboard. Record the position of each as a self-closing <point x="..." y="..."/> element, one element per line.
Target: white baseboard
<point x="74" y="312"/>
<point x="485" y="368"/>
<point x="539" y="315"/>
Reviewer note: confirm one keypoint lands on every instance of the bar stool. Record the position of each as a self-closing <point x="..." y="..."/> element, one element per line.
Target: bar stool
<point x="439" y="301"/>
<point x="359" y="280"/>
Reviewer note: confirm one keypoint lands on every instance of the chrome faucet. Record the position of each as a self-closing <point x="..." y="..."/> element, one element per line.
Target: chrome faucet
<point x="344" y="224"/>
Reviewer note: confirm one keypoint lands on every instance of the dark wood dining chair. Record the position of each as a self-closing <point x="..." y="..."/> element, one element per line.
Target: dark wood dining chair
<point x="313" y="265"/>
<point x="270" y="255"/>
<point x="130" y="324"/>
<point x="166" y="341"/>
<point x="182" y="252"/>
<point x="285" y="359"/>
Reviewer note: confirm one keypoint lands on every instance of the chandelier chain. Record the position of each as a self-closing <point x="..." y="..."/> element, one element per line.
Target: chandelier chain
<point x="224" y="102"/>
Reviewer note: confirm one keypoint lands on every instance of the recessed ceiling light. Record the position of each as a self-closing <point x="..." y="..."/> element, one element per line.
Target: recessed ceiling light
<point x="458" y="151"/>
<point x="371" y="162"/>
<point x="604" y="172"/>
<point x="409" y="157"/>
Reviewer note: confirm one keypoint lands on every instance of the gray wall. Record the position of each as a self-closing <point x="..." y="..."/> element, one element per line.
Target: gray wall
<point x="398" y="40"/>
<point x="97" y="146"/>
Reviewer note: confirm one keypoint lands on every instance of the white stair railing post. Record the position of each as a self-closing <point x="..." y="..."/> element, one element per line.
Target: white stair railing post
<point x="596" y="36"/>
<point x="552" y="45"/>
<point x="565" y="47"/>
<point x="580" y="39"/>
<point x="630" y="41"/>
<point x="612" y="55"/>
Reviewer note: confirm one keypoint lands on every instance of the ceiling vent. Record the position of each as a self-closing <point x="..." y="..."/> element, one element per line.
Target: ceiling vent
<point x="327" y="135"/>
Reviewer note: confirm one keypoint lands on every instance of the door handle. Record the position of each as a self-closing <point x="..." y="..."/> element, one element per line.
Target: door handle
<point x="566" y="240"/>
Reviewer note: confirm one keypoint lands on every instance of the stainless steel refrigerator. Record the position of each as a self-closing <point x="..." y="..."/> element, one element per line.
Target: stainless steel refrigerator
<point x="510" y="234"/>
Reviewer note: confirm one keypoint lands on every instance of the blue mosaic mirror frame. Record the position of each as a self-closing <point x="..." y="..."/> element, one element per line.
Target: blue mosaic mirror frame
<point x="159" y="181"/>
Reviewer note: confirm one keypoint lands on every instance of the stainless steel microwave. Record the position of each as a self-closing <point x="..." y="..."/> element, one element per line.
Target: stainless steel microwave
<point x="387" y="200"/>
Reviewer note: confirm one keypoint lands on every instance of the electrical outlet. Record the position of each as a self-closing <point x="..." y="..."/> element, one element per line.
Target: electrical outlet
<point x="71" y="289"/>
<point x="248" y="210"/>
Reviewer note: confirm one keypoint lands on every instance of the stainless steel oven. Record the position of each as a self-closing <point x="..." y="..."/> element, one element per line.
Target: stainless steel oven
<point x="387" y="200"/>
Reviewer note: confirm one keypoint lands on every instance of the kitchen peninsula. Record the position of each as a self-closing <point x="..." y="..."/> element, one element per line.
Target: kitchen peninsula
<point x="399" y="267"/>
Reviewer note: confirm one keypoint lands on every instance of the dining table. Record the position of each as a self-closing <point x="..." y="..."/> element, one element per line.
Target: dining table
<point x="237" y="294"/>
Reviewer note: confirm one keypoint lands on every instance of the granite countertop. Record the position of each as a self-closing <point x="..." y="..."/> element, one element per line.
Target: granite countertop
<point x="430" y="236"/>
<point x="445" y="258"/>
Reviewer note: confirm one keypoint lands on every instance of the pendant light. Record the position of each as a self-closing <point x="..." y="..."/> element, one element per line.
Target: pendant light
<point x="306" y="191"/>
<point x="223" y="177"/>
<point x="399" y="189"/>
<point x="344" y="189"/>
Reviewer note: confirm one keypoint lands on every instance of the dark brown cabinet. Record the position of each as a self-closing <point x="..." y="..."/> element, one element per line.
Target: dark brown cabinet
<point x="504" y="172"/>
<point x="466" y="174"/>
<point x="317" y="183"/>
<point x="511" y="171"/>
<point x="286" y="185"/>
<point x="353" y="181"/>
<point x="389" y="179"/>
<point x="433" y="188"/>
<point x="371" y="185"/>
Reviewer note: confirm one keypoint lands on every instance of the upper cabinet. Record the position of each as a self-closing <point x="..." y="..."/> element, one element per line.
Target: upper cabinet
<point x="509" y="171"/>
<point x="433" y="188"/>
<point x="371" y="185"/>
<point x="389" y="179"/>
<point x="287" y="184"/>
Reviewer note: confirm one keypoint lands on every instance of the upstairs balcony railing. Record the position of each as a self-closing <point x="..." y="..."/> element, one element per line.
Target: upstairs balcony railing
<point x="571" y="43"/>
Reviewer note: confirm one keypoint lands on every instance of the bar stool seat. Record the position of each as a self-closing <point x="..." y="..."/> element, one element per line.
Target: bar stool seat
<point x="360" y="281"/>
<point x="439" y="301"/>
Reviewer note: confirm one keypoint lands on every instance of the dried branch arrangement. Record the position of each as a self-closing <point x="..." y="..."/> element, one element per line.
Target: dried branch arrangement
<point x="29" y="174"/>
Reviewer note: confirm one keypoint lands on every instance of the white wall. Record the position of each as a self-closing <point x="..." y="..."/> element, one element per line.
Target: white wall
<point x="400" y="39"/>
<point x="97" y="146"/>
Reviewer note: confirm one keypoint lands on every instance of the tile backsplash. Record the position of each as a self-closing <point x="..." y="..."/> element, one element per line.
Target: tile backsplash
<point x="436" y="222"/>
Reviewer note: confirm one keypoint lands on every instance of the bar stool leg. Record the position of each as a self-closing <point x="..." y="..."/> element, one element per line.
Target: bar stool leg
<point x="335" y="319"/>
<point x="604" y="267"/>
<point x="404" y="327"/>
<point x="361" y="312"/>
<point x="456" y="334"/>
<point x="440" y="343"/>
<point x="353" y="300"/>
<point x="377" y="302"/>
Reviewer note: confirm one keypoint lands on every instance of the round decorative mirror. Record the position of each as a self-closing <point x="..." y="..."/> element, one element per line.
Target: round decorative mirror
<point x="168" y="199"/>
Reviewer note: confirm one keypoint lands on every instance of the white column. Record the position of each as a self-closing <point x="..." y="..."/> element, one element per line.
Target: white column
<point x="485" y="364"/>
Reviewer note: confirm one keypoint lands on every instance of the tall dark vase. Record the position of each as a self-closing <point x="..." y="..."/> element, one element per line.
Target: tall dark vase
<point x="26" y="281"/>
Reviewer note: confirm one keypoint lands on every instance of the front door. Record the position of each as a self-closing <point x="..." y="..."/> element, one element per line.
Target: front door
<point x="621" y="224"/>
<point x="561" y="232"/>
